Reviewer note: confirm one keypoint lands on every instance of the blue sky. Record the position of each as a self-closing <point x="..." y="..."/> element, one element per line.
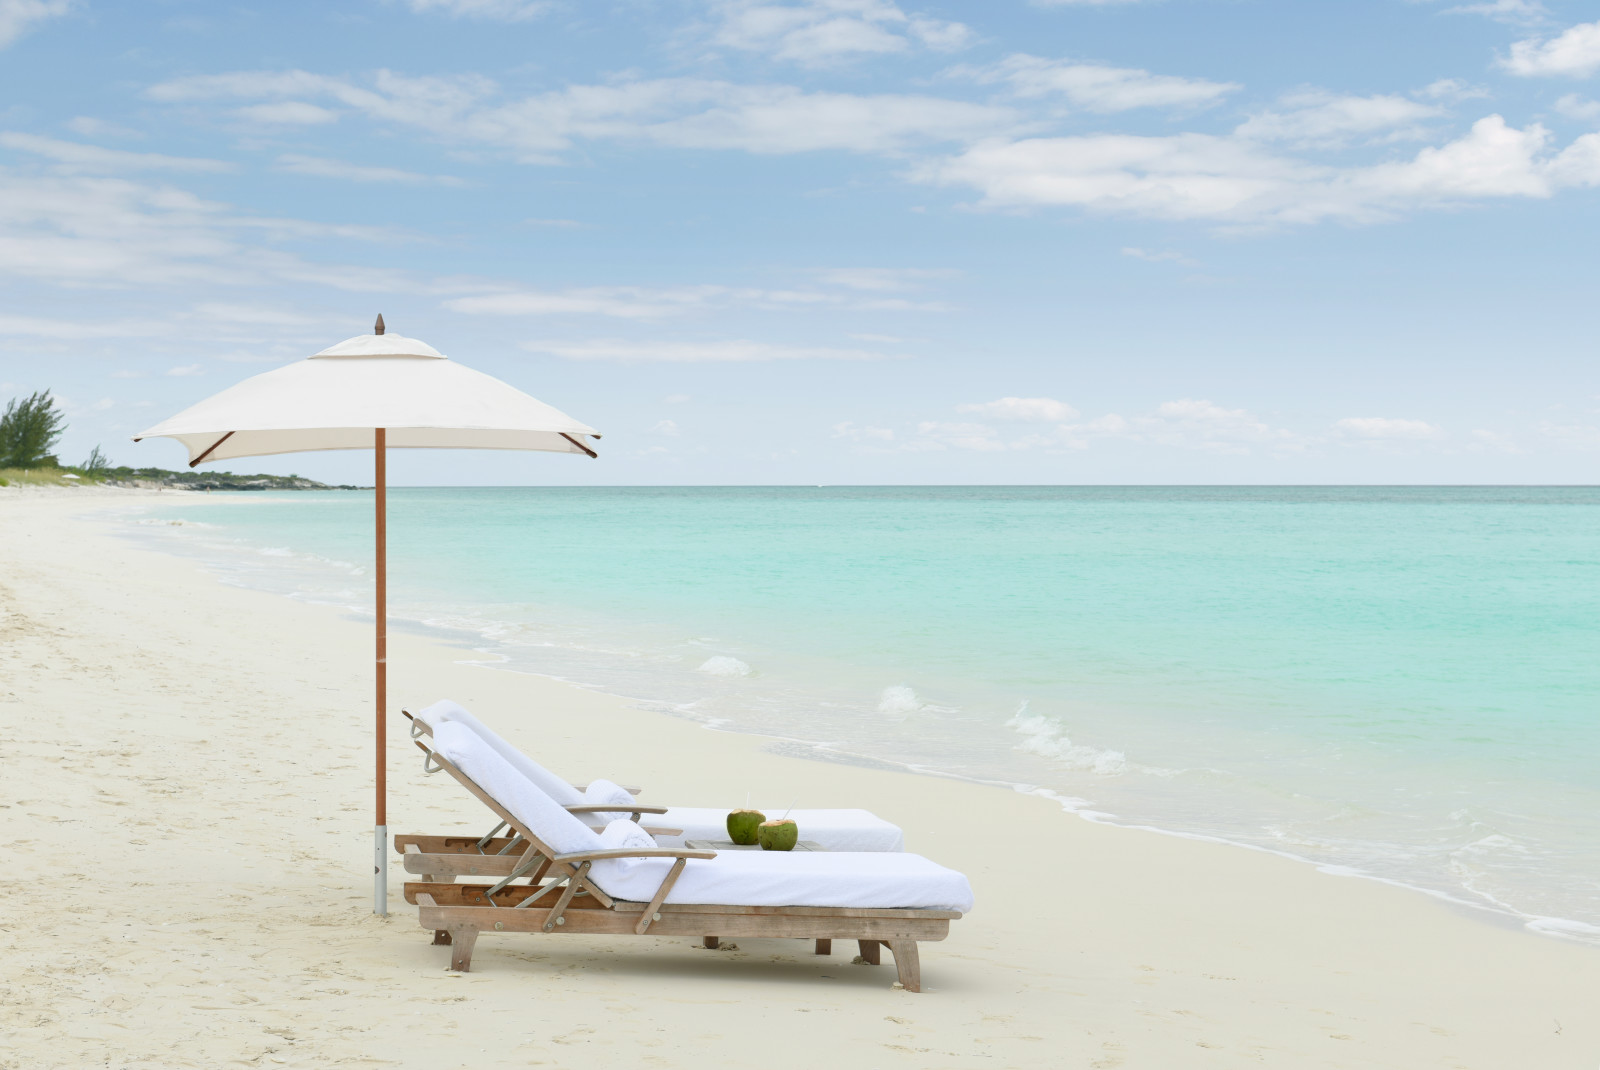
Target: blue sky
<point x="828" y="241"/>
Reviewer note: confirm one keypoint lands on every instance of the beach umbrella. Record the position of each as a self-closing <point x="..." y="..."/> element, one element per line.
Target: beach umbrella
<point x="374" y="392"/>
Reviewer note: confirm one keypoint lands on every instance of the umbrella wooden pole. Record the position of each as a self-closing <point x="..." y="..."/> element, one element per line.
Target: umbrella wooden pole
<point x="380" y="837"/>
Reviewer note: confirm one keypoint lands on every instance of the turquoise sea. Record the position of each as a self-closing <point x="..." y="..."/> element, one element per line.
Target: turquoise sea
<point x="1402" y="682"/>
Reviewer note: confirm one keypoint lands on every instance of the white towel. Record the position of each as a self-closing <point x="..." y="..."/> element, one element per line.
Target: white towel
<point x="537" y="812"/>
<point x="624" y="833"/>
<point x="446" y="712"/>
<point x="602" y="793"/>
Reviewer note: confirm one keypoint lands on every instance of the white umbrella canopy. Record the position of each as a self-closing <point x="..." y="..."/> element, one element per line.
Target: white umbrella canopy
<point x="334" y="399"/>
<point x="373" y="391"/>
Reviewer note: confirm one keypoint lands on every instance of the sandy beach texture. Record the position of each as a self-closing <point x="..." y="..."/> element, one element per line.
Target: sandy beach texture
<point x="185" y="798"/>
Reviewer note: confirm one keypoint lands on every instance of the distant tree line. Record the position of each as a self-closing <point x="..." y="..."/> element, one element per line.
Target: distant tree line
<point x="30" y="427"/>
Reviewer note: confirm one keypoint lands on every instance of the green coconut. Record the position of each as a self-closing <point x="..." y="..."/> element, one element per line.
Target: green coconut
<point x="742" y="825"/>
<point x="778" y="835"/>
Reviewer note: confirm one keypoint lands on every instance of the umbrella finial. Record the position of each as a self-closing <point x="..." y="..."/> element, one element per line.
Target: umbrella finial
<point x="377" y="328"/>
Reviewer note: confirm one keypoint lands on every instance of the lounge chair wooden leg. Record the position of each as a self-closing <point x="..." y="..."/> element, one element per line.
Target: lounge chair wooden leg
<point x="711" y="942"/>
<point x="869" y="951"/>
<point x="438" y="878"/>
<point x="441" y="937"/>
<point x="824" y="947"/>
<point x="907" y="964"/>
<point x="461" y="941"/>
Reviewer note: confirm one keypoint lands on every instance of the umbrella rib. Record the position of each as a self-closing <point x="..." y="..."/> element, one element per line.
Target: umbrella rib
<point x="209" y="448"/>
<point x="570" y="439"/>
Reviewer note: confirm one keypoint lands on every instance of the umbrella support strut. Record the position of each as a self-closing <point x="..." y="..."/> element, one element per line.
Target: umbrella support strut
<point x="380" y="832"/>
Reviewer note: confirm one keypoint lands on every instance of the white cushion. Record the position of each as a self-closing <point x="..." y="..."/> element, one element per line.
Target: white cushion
<point x="792" y="878"/>
<point x="446" y="712"/>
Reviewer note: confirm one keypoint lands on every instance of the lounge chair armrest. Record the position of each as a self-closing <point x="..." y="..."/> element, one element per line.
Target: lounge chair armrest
<point x="635" y="852"/>
<point x="615" y="808"/>
<point x="631" y="790"/>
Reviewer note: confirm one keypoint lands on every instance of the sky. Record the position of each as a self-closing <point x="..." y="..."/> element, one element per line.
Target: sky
<point x="831" y="241"/>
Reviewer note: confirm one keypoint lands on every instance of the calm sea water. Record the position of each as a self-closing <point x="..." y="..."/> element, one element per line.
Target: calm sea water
<point x="1400" y="681"/>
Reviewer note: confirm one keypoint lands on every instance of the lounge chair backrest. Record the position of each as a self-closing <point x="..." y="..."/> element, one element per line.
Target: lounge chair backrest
<point x="522" y="799"/>
<point x="447" y="712"/>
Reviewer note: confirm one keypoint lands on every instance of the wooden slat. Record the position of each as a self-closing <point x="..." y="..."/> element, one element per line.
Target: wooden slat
<point x="800" y="912"/>
<point x="600" y="922"/>
<point x="628" y="906"/>
<point x="461" y="865"/>
<point x="449" y="844"/>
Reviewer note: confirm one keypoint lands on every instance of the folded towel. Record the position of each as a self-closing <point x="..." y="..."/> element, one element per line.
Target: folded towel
<point x="624" y="833"/>
<point x="603" y="792"/>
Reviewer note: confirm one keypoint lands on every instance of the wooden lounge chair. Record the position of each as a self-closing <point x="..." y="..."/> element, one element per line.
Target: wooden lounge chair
<point x="653" y="890"/>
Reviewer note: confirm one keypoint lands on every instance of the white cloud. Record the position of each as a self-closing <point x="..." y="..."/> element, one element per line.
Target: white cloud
<point x="498" y="10"/>
<point x="814" y="32"/>
<point x="16" y="16"/>
<point x="1451" y="89"/>
<point x="1580" y="108"/>
<point x="77" y="329"/>
<point x="862" y="434"/>
<point x="89" y="126"/>
<point x="1023" y="409"/>
<point x="1573" y="436"/>
<point x="676" y="112"/>
<point x="621" y="302"/>
<point x="1234" y="179"/>
<point x="114" y="233"/>
<point x="938" y="435"/>
<point x="288" y="113"/>
<point x="740" y="351"/>
<point x="1379" y="427"/>
<point x="665" y="427"/>
<point x="1320" y="119"/>
<point x="1575" y="53"/>
<point x="648" y="303"/>
<point x="882" y="279"/>
<point x="676" y="399"/>
<point x="75" y="156"/>
<point x="1164" y="256"/>
<point x="186" y="370"/>
<point x="351" y="172"/>
<point x="1516" y="11"/>
<point x="1098" y="88"/>
<point x="1495" y="440"/>
<point x="1081" y="3"/>
<point x="1199" y="424"/>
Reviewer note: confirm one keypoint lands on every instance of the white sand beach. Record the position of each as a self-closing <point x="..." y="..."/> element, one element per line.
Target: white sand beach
<point x="186" y="804"/>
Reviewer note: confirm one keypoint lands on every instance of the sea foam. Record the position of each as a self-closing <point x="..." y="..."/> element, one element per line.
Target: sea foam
<point x="899" y="701"/>
<point x="1044" y="737"/>
<point x="722" y="665"/>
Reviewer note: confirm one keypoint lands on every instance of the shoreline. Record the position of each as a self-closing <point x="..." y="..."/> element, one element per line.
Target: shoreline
<point x="479" y="641"/>
<point x="144" y="700"/>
